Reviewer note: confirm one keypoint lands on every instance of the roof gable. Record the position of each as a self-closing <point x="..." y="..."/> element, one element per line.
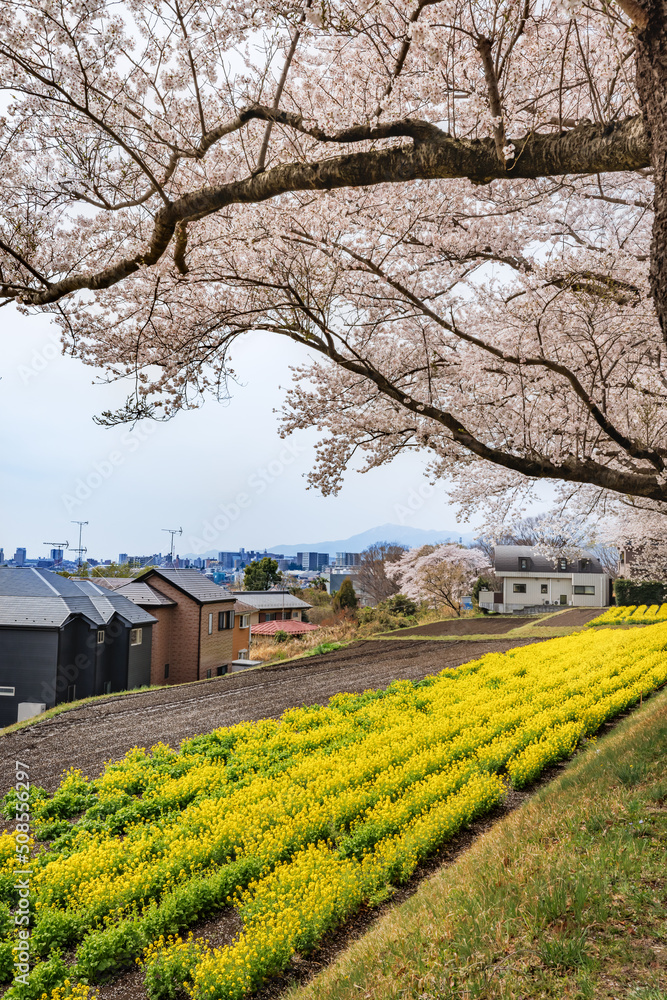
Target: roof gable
<point x="190" y="582"/>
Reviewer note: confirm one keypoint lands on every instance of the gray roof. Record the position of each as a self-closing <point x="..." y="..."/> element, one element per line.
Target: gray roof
<point x="27" y="581"/>
<point x="191" y="582"/>
<point x="270" y="600"/>
<point x="111" y="582"/>
<point x="45" y="612"/>
<point x="506" y="560"/>
<point x="44" y="599"/>
<point x="243" y="609"/>
<point x="141" y="593"/>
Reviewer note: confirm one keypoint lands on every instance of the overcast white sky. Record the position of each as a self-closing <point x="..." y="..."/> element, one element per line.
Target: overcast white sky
<point x="60" y="466"/>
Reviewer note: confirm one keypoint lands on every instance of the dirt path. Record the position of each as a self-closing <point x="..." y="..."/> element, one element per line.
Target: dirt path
<point x="466" y="626"/>
<point x="86" y="737"/>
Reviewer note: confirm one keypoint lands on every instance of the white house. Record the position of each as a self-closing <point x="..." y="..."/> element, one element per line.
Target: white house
<point x="530" y="580"/>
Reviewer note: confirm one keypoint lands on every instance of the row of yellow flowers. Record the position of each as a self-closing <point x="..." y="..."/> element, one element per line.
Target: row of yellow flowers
<point x="297" y="821"/>
<point x="643" y="613"/>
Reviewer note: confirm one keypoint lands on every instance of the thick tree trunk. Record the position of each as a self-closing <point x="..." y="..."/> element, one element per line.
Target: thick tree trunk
<point x="652" y="87"/>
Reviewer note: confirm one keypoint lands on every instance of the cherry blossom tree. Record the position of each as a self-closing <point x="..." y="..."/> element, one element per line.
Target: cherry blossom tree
<point x="457" y="207"/>
<point x="439" y="574"/>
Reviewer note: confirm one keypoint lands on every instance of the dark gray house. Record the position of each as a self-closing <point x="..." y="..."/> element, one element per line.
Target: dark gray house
<point x="63" y="639"/>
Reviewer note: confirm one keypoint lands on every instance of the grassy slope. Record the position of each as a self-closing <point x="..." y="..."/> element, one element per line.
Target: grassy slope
<point x="566" y="897"/>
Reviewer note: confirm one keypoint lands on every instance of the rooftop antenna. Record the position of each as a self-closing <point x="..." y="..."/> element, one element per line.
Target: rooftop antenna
<point x="59" y="546"/>
<point x="81" y="549"/>
<point x="172" y="532"/>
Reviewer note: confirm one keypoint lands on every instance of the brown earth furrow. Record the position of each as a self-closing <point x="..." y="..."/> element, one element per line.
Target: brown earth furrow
<point x="89" y="736"/>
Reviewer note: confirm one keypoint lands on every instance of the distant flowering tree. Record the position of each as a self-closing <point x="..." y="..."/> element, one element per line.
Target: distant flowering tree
<point x="439" y="574"/>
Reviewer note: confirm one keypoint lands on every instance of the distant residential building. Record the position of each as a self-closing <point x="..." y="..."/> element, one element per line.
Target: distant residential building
<point x="63" y="639"/>
<point x="530" y="580"/>
<point x="201" y="628"/>
<point x="20" y="557"/>
<point x="273" y="605"/>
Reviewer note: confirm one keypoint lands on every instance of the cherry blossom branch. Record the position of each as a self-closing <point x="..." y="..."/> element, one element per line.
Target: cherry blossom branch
<point x="495" y="106"/>
<point x="637" y="483"/>
<point x="655" y="457"/>
<point x="618" y="146"/>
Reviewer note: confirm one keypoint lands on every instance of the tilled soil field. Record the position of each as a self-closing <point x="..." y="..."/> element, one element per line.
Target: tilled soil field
<point x="466" y="626"/>
<point x="86" y="737"/>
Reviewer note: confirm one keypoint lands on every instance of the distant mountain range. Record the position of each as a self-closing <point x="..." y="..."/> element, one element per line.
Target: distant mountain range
<point x="401" y="533"/>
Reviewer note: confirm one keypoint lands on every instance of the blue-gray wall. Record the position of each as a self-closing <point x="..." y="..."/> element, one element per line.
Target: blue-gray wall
<point x="28" y="663"/>
<point x="139" y="660"/>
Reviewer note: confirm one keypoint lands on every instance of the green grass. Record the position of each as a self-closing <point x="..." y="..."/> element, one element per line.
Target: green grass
<point x="565" y="897"/>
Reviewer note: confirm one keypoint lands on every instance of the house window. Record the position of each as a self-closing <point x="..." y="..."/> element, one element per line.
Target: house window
<point x="244" y="621"/>
<point x="562" y="564"/>
<point x="519" y="588"/>
<point x="100" y="636"/>
<point x="544" y="589"/>
<point x="7" y="692"/>
<point x="590" y="591"/>
<point x="166" y="670"/>
<point x="210" y="624"/>
<point x="209" y="673"/>
<point x="225" y="620"/>
<point x="563" y="598"/>
<point x="270" y="616"/>
<point x="523" y="563"/>
<point x="585" y="564"/>
<point x="136" y="636"/>
<point x="221" y="670"/>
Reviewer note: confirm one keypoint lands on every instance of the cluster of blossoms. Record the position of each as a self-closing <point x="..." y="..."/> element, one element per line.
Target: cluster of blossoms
<point x="201" y="186"/>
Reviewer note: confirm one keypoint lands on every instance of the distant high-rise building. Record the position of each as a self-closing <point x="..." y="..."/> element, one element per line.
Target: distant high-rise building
<point x="20" y="557"/>
<point x="56" y="555"/>
<point x="348" y="558"/>
<point x="2" y="556"/>
<point x="226" y="560"/>
<point x="123" y="558"/>
<point x="312" y="561"/>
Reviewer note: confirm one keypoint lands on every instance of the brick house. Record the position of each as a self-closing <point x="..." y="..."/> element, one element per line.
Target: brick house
<point x="201" y="627"/>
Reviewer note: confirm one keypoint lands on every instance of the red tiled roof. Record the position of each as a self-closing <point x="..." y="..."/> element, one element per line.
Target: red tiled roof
<point x="291" y="626"/>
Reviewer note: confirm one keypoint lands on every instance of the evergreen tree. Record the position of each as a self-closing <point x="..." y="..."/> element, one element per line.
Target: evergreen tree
<point x="261" y="574"/>
<point x="346" y="596"/>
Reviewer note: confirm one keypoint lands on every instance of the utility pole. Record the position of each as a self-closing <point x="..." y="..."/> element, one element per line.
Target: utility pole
<point x="80" y="550"/>
<point x="59" y="546"/>
<point x="172" y="532"/>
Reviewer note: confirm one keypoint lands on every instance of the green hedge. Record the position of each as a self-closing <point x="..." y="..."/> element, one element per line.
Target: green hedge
<point x="628" y="592"/>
